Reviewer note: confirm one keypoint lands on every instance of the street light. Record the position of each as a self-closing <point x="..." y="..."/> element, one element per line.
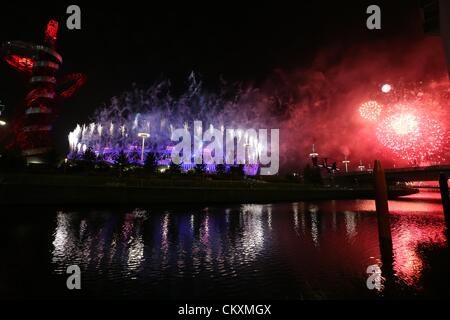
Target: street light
<point x="361" y="167"/>
<point x="143" y="135"/>
<point x="2" y="107"/>
<point x="346" y="162"/>
<point x="314" y="156"/>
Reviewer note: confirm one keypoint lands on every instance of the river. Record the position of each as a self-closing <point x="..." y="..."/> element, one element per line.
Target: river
<point x="304" y="250"/>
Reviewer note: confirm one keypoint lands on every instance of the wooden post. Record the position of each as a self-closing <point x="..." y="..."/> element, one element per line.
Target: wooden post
<point x="443" y="187"/>
<point x="384" y="225"/>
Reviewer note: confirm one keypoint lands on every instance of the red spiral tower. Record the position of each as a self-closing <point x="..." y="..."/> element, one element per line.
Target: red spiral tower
<point x="33" y="125"/>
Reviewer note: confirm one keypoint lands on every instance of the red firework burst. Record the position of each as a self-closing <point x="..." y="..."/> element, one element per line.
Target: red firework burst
<point x="415" y="138"/>
<point x="370" y="110"/>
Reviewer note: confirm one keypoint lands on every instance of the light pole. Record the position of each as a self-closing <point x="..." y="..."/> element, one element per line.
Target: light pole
<point x="2" y="122"/>
<point x="144" y="136"/>
<point x="346" y="162"/>
<point x="314" y="156"/>
<point x="361" y="167"/>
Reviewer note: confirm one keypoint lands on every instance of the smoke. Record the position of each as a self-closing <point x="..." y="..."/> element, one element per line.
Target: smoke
<point x="317" y="105"/>
<point x="158" y="111"/>
<point x="326" y="98"/>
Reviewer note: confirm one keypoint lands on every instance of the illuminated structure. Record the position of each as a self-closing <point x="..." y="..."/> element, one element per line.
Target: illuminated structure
<point x="361" y="167"/>
<point x="435" y="16"/>
<point x="40" y="62"/>
<point x="314" y="157"/>
<point x="155" y="111"/>
<point x="2" y="122"/>
<point x="144" y="136"/>
<point x="346" y="162"/>
<point x="107" y="139"/>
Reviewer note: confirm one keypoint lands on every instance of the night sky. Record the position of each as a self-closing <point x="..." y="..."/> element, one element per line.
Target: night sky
<point x="121" y="43"/>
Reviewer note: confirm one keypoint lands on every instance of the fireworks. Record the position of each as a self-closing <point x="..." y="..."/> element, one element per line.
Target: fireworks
<point x="415" y="138"/>
<point x="386" y="88"/>
<point x="404" y="124"/>
<point x="406" y="120"/>
<point x="370" y="110"/>
<point x="156" y="113"/>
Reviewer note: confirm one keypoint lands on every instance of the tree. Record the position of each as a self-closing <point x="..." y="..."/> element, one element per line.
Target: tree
<point x="237" y="170"/>
<point x="307" y="173"/>
<point x="134" y="157"/>
<point x="89" y="155"/>
<point x="312" y="175"/>
<point x="151" y="162"/>
<point x="88" y="158"/>
<point x="200" y="168"/>
<point x="12" y="159"/>
<point x="221" y="169"/>
<point x="174" y="168"/>
<point x="121" y="161"/>
<point x="52" y="158"/>
<point x="100" y="157"/>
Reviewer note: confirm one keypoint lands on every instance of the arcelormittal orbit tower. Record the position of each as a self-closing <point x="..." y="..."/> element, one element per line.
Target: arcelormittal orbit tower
<point x="33" y="122"/>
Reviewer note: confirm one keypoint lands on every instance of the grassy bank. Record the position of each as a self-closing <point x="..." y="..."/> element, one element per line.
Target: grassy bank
<point x="46" y="189"/>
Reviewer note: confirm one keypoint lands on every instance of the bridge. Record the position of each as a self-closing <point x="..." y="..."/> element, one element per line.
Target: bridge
<point x="430" y="173"/>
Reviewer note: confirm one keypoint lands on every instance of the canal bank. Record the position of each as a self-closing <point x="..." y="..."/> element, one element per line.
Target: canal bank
<point x="39" y="189"/>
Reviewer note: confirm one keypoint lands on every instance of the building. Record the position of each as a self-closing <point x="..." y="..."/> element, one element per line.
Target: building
<point x="436" y="21"/>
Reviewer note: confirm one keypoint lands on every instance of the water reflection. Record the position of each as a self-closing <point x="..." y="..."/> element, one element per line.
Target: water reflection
<point x="295" y="212"/>
<point x="350" y="224"/>
<point x="407" y="234"/>
<point x="284" y="249"/>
